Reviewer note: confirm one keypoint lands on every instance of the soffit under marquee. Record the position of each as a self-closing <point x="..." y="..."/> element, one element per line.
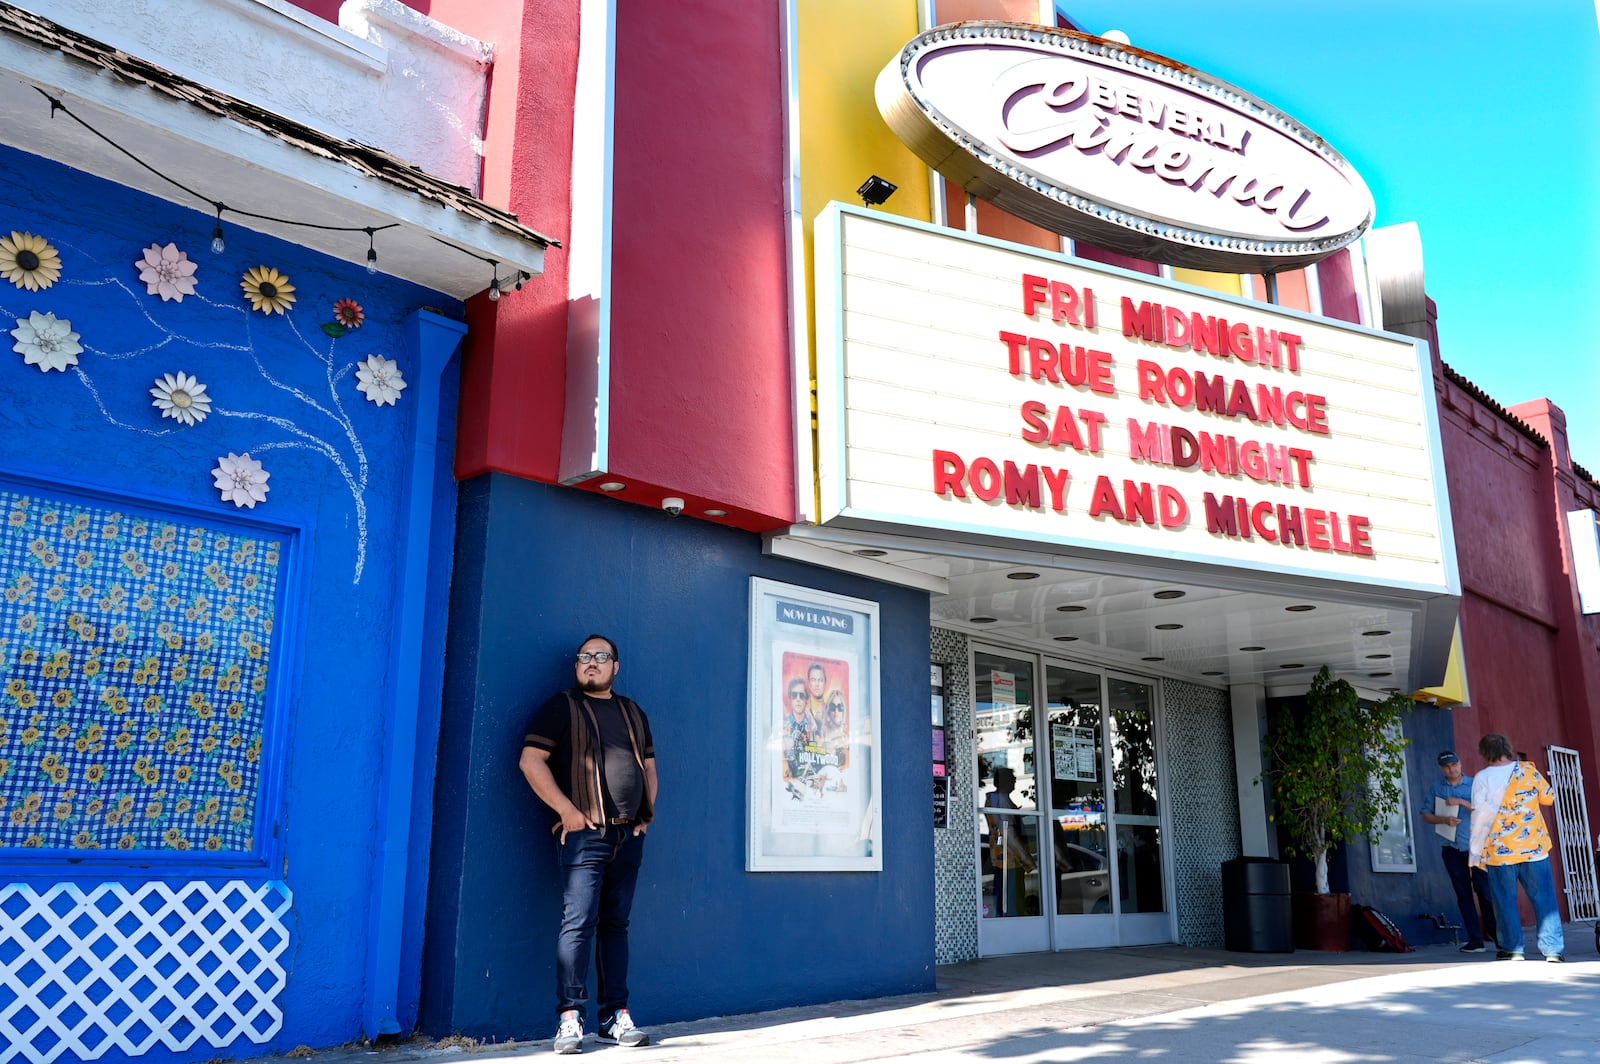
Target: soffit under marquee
<point x="1079" y="609"/>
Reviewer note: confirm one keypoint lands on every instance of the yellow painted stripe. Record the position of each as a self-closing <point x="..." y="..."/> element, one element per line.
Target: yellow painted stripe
<point x="841" y="46"/>
<point x="1226" y="283"/>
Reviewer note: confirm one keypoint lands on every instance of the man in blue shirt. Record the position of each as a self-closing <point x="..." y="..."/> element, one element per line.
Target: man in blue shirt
<point x="1454" y="791"/>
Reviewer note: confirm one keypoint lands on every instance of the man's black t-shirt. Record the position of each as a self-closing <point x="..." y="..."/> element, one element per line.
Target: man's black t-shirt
<point x="624" y="782"/>
<point x="622" y="776"/>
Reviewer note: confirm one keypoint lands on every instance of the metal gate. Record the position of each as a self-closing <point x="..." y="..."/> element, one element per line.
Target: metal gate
<point x="1572" y="831"/>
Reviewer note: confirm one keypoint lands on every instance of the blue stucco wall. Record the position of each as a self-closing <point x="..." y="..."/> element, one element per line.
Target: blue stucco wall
<point x="540" y="567"/>
<point x="284" y="391"/>
<point x="1406" y="897"/>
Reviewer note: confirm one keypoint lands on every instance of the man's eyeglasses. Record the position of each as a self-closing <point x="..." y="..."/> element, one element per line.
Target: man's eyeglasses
<point x="797" y="694"/>
<point x="599" y="656"/>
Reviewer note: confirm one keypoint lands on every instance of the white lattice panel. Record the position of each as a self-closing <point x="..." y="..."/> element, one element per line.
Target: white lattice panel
<point x="83" y="972"/>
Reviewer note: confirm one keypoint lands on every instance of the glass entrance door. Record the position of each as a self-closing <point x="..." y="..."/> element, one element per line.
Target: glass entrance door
<point x="1136" y="813"/>
<point x="1012" y="885"/>
<point x="1070" y="849"/>
<point x="1079" y="828"/>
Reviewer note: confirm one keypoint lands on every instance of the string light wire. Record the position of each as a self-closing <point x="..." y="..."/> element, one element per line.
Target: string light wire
<point x="217" y="243"/>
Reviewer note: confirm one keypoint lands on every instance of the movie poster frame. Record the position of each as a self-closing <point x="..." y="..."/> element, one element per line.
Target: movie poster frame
<point x="777" y="838"/>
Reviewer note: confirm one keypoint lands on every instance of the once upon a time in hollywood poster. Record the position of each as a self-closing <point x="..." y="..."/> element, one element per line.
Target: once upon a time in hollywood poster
<point x="814" y="762"/>
<point x="816" y="721"/>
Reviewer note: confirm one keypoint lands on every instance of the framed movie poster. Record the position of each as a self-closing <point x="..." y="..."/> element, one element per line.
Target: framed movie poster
<point x="814" y="757"/>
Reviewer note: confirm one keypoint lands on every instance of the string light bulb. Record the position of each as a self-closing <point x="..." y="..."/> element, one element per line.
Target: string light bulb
<point x="372" y="253"/>
<point x="218" y="246"/>
<point x="494" y="285"/>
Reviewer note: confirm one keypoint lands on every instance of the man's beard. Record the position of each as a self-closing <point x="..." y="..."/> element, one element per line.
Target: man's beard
<point x="594" y="687"/>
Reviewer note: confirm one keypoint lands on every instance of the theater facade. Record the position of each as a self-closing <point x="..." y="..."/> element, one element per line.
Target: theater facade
<point x="1111" y="464"/>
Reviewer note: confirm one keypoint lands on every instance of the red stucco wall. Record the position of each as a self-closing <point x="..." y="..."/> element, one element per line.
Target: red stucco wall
<point x="1533" y="660"/>
<point x="701" y="394"/>
<point x="514" y="364"/>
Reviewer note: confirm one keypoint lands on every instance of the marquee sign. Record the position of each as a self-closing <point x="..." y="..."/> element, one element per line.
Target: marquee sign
<point x="1122" y="148"/>
<point x="968" y="387"/>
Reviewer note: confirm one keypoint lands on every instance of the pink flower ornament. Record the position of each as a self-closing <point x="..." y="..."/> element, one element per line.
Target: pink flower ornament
<point x="167" y="272"/>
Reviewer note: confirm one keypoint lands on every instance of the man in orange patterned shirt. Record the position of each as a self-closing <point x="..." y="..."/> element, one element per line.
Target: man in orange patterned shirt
<point x="1509" y="839"/>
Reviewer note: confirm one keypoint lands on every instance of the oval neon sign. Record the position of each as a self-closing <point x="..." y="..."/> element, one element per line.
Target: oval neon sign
<point x="1122" y="148"/>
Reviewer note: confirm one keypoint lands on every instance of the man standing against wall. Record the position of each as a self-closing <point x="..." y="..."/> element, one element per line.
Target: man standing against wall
<point x="589" y="756"/>
<point x="1450" y="799"/>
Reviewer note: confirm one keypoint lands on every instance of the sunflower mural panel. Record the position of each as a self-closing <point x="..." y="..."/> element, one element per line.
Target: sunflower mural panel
<point x="134" y="652"/>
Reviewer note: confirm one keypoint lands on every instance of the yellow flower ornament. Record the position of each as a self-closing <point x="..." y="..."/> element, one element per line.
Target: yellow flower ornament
<point x="29" y="261"/>
<point x="267" y="290"/>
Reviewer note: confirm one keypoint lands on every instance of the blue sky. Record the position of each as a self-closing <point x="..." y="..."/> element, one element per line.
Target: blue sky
<point x="1477" y="121"/>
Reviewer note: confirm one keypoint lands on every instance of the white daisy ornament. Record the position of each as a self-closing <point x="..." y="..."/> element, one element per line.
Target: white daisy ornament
<point x="241" y="480"/>
<point x="47" y="342"/>
<point x="182" y="398"/>
<point x="379" y="379"/>
<point x="167" y="272"/>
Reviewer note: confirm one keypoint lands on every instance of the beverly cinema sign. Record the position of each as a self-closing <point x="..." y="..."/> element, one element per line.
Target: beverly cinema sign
<point x="1121" y="148"/>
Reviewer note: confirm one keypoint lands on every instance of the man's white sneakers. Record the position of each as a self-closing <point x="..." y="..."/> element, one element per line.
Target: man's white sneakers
<point x="569" y="1036"/>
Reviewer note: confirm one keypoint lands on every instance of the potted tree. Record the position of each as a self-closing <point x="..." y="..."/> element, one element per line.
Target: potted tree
<point x="1334" y="764"/>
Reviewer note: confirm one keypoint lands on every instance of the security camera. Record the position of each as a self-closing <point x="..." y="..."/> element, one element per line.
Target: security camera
<point x="672" y="505"/>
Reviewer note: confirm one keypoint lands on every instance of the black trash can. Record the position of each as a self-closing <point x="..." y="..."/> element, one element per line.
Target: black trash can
<point x="1256" y="913"/>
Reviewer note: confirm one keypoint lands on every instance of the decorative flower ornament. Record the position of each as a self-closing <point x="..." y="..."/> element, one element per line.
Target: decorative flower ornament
<point x="167" y="272"/>
<point x="182" y="398"/>
<point x="346" y="316"/>
<point x="347" y="312"/>
<point x="47" y="342"/>
<point x="241" y="480"/>
<point x="380" y="380"/>
<point x="267" y="290"/>
<point x="29" y="261"/>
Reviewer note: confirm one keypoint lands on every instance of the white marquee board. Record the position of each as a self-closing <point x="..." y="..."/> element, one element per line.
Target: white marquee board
<point x="922" y="421"/>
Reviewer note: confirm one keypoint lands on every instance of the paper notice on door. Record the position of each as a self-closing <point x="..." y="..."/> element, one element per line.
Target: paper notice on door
<point x="1442" y="807"/>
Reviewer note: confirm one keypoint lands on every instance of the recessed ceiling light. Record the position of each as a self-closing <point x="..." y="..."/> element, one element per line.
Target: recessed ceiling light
<point x="1153" y="659"/>
<point x="1377" y="631"/>
<point x="1213" y="672"/>
<point x="612" y="485"/>
<point x="1379" y="675"/>
<point x="1375" y="657"/>
<point x="1292" y="665"/>
<point x="1302" y="608"/>
<point x="982" y="620"/>
<point x="1252" y="649"/>
<point x="1071" y="609"/>
<point x="869" y="552"/>
<point x="1168" y="627"/>
<point x="1022" y="576"/>
<point x="1066" y="639"/>
<point x="716" y="513"/>
<point x="1170" y="594"/>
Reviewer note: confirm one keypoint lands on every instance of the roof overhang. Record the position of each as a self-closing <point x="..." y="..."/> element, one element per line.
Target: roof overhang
<point x="442" y="238"/>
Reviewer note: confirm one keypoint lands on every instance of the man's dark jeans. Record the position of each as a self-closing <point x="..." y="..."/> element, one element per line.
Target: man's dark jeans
<point x="1465" y="880"/>
<point x="600" y="870"/>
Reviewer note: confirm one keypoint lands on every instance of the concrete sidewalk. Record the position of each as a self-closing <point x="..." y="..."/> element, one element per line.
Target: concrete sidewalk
<point x="1198" y="1005"/>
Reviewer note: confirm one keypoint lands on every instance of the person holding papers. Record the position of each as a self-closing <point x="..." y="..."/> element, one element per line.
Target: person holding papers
<point x="1451" y="802"/>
